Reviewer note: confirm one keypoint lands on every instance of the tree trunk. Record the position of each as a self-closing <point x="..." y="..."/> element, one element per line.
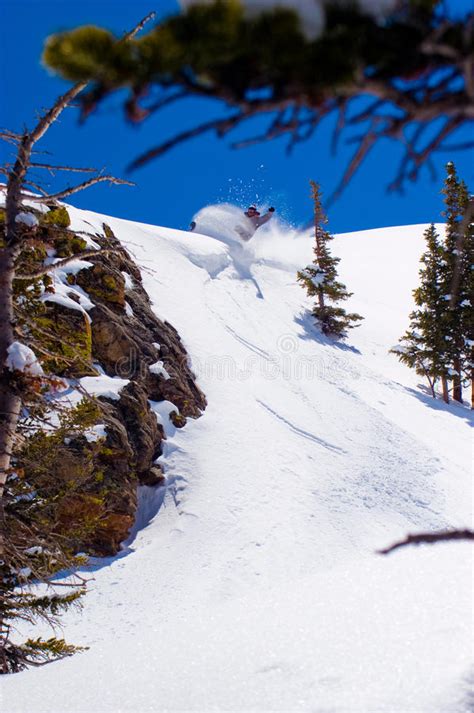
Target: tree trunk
<point x="457" y="383"/>
<point x="319" y="253"/>
<point x="10" y="403"/>
<point x="321" y="299"/>
<point x="431" y="382"/>
<point x="444" y="384"/>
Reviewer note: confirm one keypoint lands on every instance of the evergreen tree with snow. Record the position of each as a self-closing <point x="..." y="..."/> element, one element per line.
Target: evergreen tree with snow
<point x="439" y="342"/>
<point x="424" y="347"/>
<point x="320" y="278"/>
<point x="467" y="311"/>
<point x="458" y="279"/>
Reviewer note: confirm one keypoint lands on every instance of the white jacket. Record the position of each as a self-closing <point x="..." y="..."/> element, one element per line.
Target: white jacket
<point x="258" y="220"/>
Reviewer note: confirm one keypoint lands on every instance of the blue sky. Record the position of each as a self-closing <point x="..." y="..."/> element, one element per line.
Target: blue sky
<point x="170" y="190"/>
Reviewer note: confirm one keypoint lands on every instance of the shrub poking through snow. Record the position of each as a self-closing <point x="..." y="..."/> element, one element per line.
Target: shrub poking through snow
<point x="56" y="216"/>
<point x="320" y="279"/>
<point x="50" y="472"/>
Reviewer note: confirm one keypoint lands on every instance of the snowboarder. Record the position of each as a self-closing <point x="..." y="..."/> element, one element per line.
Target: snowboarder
<point x="253" y="222"/>
<point x="192" y="225"/>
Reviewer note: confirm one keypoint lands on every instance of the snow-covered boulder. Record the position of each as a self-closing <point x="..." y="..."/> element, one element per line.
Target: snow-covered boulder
<point x="22" y="358"/>
<point x="28" y="219"/>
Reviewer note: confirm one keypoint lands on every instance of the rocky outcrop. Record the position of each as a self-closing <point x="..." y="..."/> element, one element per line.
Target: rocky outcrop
<point x="127" y="337"/>
<point x="123" y="338"/>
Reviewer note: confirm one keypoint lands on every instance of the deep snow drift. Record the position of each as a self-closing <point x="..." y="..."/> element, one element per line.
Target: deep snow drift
<point x="253" y="584"/>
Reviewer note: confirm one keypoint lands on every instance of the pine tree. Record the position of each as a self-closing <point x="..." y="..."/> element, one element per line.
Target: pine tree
<point x="320" y="278"/>
<point x="440" y="340"/>
<point x="457" y="279"/>
<point x="467" y="311"/>
<point x="423" y="346"/>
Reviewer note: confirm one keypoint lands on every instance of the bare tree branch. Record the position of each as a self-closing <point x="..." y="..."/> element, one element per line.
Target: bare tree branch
<point x="342" y="106"/>
<point x="221" y="126"/>
<point x="130" y="35"/>
<point x="425" y="105"/>
<point x="449" y="148"/>
<point x="363" y="149"/>
<point x="18" y="172"/>
<point x="10" y="137"/>
<point x="367" y="113"/>
<point x="409" y="157"/>
<point x="429" y="538"/>
<point x="420" y="158"/>
<point x="80" y="187"/>
<point x="29" y="139"/>
<point x="70" y="169"/>
<point x="166" y="101"/>
<point x="35" y="186"/>
<point x="277" y="128"/>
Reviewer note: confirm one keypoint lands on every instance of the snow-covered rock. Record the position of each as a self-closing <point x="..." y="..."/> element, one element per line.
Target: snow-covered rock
<point x="158" y="368"/>
<point x="107" y="386"/>
<point x="28" y="219"/>
<point x="22" y="358"/>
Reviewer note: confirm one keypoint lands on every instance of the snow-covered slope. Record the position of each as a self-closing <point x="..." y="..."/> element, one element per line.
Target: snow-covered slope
<point x="253" y="584"/>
